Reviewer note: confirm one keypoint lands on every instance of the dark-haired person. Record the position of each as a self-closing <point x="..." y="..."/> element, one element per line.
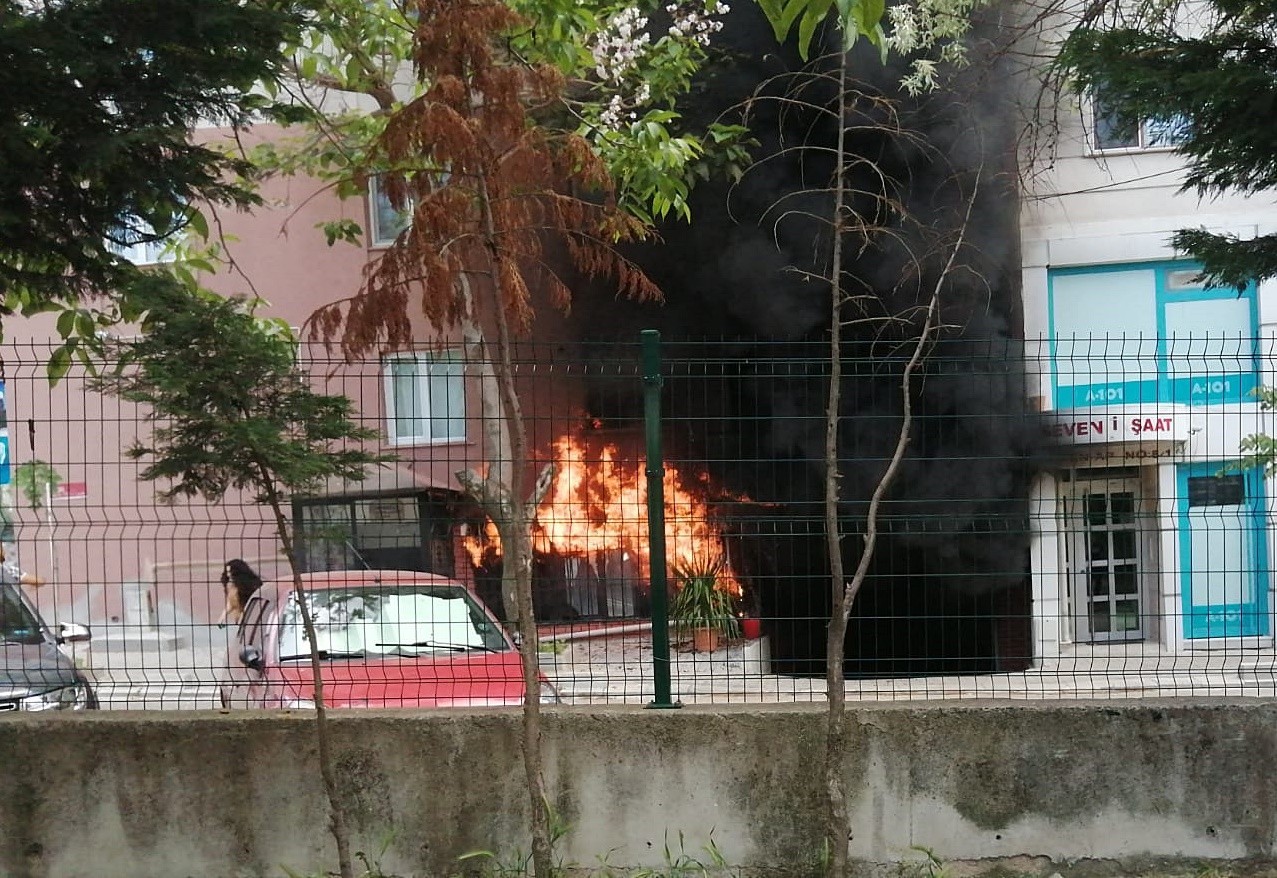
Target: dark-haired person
<point x="239" y="581"/>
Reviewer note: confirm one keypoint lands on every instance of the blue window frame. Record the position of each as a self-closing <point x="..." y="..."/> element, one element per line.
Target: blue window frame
<point x="1149" y="333"/>
<point x="1223" y="551"/>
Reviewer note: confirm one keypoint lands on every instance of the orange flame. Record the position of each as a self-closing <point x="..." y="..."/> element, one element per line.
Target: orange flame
<point x="599" y="503"/>
<point x="479" y="546"/>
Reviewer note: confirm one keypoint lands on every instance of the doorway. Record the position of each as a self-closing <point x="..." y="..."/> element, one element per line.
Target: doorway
<point x="1222" y="558"/>
<point x="1106" y="557"/>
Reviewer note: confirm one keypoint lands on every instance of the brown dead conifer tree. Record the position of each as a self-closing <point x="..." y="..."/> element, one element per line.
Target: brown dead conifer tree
<point x="489" y="186"/>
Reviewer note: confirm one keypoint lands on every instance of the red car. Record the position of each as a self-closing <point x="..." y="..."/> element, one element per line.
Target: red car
<point x="386" y="638"/>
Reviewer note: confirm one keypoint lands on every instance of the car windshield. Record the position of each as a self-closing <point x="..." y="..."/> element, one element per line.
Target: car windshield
<point x="389" y="620"/>
<point x="17" y="623"/>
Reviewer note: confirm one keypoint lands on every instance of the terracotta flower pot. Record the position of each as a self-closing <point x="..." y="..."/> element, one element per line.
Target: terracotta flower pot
<point x="704" y="639"/>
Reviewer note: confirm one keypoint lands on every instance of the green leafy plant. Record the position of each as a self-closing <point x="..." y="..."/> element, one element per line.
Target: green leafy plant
<point x="31" y="478"/>
<point x="929" y="866"/>
<point x="681" y="864"/>
<point x="230" y="408"/>
<point x="519" y="863"/>
<point x="700" y="603"/>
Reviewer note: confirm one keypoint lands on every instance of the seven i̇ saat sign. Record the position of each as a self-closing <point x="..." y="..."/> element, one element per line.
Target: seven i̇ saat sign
<point x="1119" y="435"/>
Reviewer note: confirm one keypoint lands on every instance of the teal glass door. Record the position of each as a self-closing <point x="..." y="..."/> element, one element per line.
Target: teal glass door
<point x="1224" y="574"/>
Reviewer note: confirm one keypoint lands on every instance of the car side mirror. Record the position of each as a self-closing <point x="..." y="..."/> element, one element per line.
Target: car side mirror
<point x="251" y="657"/>
<point x="70" y="632"/>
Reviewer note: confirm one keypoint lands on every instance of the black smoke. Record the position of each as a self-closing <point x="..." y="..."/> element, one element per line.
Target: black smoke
<point x="749" y="326"/>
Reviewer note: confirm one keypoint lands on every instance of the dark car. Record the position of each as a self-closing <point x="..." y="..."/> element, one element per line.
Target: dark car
<point x="34" y="674"/>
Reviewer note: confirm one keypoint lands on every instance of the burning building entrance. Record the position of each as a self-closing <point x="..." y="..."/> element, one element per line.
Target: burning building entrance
<point x="592" y="556"/>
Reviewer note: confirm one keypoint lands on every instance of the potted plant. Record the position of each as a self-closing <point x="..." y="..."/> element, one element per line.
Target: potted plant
<point x="700" y="606"/>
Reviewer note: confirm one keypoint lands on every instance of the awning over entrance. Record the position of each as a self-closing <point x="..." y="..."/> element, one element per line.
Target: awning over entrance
<point x="1118" y="435"/>
<point x="382" y="480"/>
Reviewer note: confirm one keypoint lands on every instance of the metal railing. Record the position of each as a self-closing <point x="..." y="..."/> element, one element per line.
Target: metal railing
<point x="1114" y="546"/>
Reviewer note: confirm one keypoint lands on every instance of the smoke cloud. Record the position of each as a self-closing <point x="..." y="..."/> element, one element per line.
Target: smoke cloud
<point x="956" y="520"/>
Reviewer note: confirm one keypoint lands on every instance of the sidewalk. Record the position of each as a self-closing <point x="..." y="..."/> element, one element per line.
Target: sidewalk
<point x="618" y="670"/>
<point x="170" y="669"/>
<point x="614" y="666"/>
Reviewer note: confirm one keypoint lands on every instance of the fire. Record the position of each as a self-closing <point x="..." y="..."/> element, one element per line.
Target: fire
<point x="598" y="503"/>
<point x="477" y="546"/>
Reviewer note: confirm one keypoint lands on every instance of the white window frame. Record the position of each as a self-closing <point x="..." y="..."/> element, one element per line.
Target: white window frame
<point x="143" y="252"/>
<point x="448" y="421"/>
<point x="1145" y="134"/>
<point x="378" y="237"/>
<point x="1081" y="566"/>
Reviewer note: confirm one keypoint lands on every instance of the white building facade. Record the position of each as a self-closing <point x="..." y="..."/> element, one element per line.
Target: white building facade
<point x="1150" y="539"/>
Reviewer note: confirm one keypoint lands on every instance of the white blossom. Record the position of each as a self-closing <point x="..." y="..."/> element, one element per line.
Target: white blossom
<point x="623" y="44"/>
<point x="921" y="26"/>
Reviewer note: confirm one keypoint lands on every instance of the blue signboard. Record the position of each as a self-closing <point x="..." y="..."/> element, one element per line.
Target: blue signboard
<point x="1150" y="333"/>
<point x="6" y="475"/>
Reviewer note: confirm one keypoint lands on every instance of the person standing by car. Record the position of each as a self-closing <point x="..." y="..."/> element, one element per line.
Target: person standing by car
<point x="34" y="672"/>
<point x="15" y="575"/>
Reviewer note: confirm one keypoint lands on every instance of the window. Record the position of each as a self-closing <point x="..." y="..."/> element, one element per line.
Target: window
<point x="406" y="620"/>
<point x="1116" y="131"/>
<point x="17" y="623"/>
<point x="425" y="399"/>
<point x="385" y="223"/>
<point x="1216" y="491"/>
<point x="1133" y="334"/>
<point x="132" y="241"/>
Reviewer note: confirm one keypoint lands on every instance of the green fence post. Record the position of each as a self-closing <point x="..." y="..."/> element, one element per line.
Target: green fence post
<point x="652" y="384"/>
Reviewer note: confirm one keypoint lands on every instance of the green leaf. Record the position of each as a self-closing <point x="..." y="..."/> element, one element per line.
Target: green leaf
<point x="198" y="223"/>
<point x="783" y="13"/>
<point x="869" y="15"/>
<point x="66" y="323"/>
<point x="309" y="67"/>
<point x="775" y="12"/>
<point x="199" y="263"/>
<point x="59" y="363"/>
<point x="84" y="324"/>
<point x="807" y="30"/>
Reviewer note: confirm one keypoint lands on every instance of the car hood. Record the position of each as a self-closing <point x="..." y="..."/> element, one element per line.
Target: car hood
<point x="474" y="679"/>
<point x="28" y="668"/>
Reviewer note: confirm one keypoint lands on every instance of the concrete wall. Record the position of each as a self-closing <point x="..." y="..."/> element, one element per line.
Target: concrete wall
<point x="213" y="795"/>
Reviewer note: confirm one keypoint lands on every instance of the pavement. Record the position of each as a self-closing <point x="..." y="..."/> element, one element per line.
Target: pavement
<point x="174" y="668"/>
<point x="152" y="670"/>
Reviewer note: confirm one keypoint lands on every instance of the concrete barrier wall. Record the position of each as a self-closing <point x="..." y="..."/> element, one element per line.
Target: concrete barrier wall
<point x="170" y="795"/>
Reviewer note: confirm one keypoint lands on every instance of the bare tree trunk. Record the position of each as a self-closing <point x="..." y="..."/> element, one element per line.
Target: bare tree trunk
<point x="498" y="454"/>
<point x="837" y="828"/>
<point x="327" y="768"/>
<point x="521" y="507"/>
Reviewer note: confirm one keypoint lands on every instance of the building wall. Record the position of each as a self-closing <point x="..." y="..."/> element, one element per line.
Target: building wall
<point x="1084" y="209"/>
<point x="117" y="534"/>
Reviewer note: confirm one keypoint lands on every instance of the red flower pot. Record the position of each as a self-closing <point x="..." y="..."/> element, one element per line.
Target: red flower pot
<point x="752" y="628"/>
